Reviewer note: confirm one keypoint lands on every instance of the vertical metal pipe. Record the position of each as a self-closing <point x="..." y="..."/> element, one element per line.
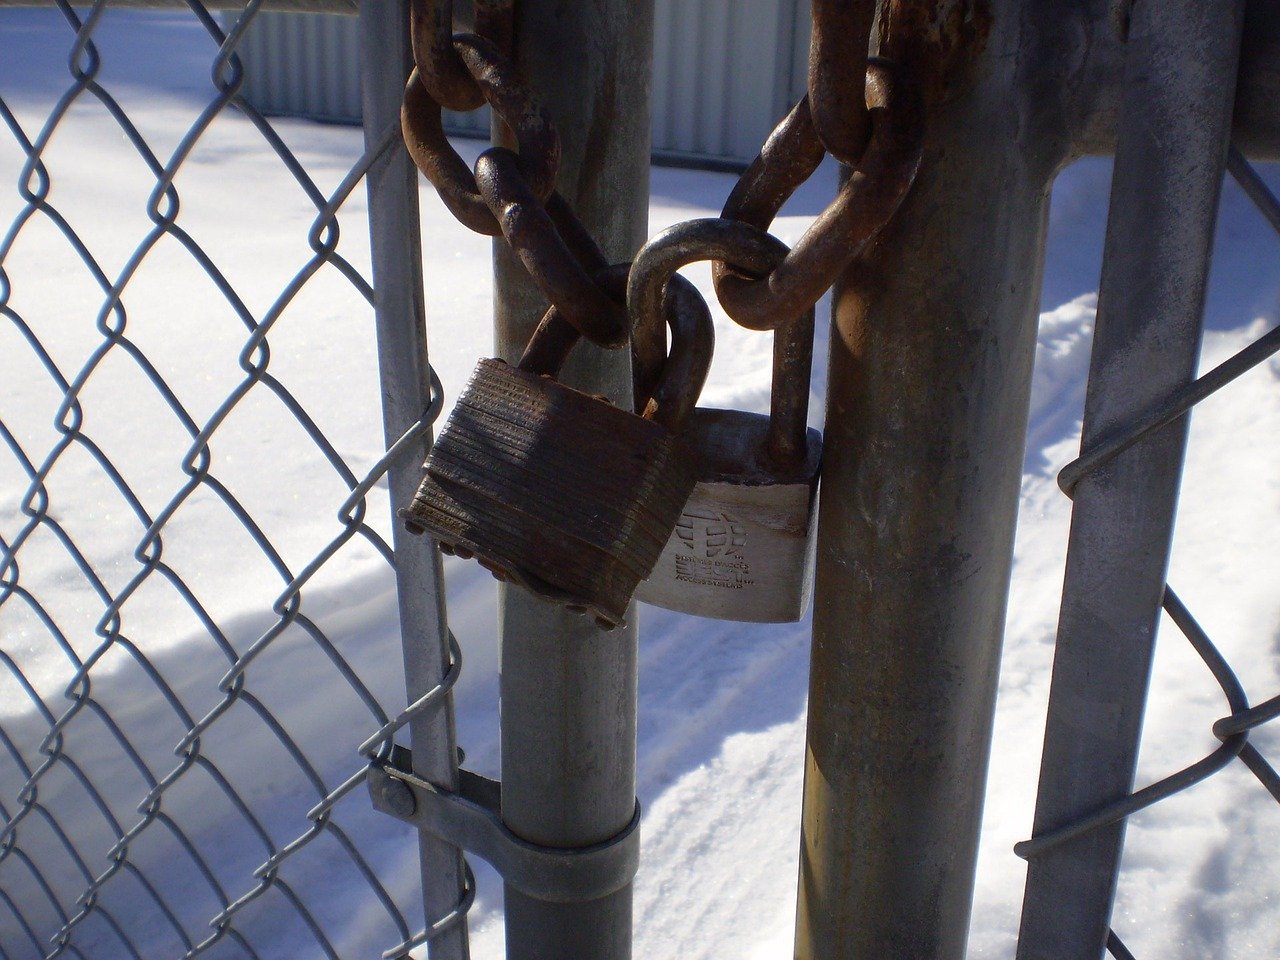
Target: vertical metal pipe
<point x="926" y="415"/>
<point x="400" y="317"/>
<point x="568" y="689"/>
<point x="930" y="370"/>
<point x="1180" y="75"/>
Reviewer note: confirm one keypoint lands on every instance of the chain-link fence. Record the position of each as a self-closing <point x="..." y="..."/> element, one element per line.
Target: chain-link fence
<point x="193" y="674"/>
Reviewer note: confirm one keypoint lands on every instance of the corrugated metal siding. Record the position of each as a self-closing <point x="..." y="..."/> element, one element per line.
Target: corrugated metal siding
<point x="719" y="66"/>
<point x="304" y="65"/>
<point x="724" y="72"/>
<point x="800" y="32"/>
<point x="308" y="65"/>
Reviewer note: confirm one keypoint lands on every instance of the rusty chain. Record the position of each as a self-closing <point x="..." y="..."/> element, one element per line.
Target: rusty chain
<point x="864" y="204"/>
<point x="494" y="77"/>
<point x="837" y="63"/>
<point x="445" y="75"/>
<point x="863" y="111"/>
<point x="508" y="192"/>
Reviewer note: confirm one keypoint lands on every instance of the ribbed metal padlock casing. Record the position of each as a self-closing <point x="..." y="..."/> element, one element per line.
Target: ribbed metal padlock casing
<point x="553" y="489"/>
<point x="743" y="548"/>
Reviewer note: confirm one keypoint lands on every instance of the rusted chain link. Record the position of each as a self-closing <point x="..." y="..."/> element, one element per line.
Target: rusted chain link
<point x="495" y="21"/>
<point x="676" y="381"/>
<point x="865" y="112"/>
<point x="837" y="62"/>
<point x="864" y="204"/>
<point x="558" y="271"/>
<point x="761" y="283"/>
<point x="495" y="77"/>
<point x="747" y="248"/>
<point x="509" y="193"/>
<point x="555" y="337"/>
<point x="443" y="75"/>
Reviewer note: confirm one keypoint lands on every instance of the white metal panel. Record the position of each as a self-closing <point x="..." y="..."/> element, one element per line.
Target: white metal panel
<point x="305" y="65"/>
<point x="308" y="65"/>
<point x="801" y="29"/>
<point x="722" y="75"/>
<point x="724" y="72"/>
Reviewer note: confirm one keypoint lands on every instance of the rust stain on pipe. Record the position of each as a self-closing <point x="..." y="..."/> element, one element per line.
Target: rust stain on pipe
<point x="936" y="40"/>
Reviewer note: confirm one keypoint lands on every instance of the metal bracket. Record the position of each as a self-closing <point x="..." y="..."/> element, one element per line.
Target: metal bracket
<point x="471" y="819"/>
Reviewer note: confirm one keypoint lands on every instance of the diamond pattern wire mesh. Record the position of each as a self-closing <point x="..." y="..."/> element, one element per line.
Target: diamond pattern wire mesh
<point x="1232" y="730"/>
<point x="89" y="808"/>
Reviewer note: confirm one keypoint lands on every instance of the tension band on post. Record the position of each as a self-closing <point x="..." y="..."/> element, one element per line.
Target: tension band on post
<point x="471" y="819"/>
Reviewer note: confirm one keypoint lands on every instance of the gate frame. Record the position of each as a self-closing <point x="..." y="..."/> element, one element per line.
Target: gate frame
<point x="927" y="404"/>
<point x="925" y="435"/>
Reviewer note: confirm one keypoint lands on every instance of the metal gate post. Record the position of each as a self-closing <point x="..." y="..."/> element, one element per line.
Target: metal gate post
<point x="568" y="689"/>
<point x="399" y="313"/>
<point x="1180" y="75"/>
<point x="930" y="370"/>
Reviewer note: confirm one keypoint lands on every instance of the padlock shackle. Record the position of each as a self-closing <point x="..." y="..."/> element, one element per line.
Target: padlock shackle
<point x="682" y="374"/>
<point x="750" y="251"/>
<point x="684" y="371"/>
<point x="787" y="444"/>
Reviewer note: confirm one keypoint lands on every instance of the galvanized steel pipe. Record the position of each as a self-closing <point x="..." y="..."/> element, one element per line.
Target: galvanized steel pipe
<point x="399" y="311"/>
<point x="569" y="689"/>
<point x="930" y="371"/>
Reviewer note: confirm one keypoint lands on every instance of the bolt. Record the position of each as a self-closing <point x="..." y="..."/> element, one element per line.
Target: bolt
<point x="398" y="797"/>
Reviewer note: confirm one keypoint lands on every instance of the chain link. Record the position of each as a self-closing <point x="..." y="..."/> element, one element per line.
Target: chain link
<point x="864" y="204"/>
<point x="747" y="247"/>
<point x="558" y="271"/>
<point x="495" y="77"/>
<point x="866" y="113"/>
<point x="837" y="62"/>
<point x="509" y="193"/>
<point x="443" y="74"/>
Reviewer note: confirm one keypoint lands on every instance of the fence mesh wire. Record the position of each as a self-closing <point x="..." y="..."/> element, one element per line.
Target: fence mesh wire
<point x="185" y="543"/>
<point x="1232" y="730"/>
<point x="157" y="696"/>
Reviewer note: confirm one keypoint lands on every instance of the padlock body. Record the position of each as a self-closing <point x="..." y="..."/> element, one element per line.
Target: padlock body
<point x="553" y="489"/>
<point x="743" y="548"/>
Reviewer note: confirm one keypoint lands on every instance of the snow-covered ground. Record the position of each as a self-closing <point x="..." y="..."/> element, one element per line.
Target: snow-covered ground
<point x="722" y="706"/>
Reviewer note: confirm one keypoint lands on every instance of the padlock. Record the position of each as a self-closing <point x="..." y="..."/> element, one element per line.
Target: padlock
<point x="743" y="548"/>
<point x="558" y="491"/>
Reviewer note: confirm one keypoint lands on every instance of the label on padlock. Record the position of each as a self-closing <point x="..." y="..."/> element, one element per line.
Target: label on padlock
<point x="716" y="545"/>
<point x="739" y="552"/>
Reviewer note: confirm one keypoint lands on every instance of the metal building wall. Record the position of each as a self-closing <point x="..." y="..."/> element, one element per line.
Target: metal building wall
<point x="305" y="65"/>
<point x="722" y="75"/>
<point x="724" y="72"/>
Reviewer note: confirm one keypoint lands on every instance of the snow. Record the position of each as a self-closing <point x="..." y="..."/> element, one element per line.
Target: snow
<point x="722" y="706"/>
